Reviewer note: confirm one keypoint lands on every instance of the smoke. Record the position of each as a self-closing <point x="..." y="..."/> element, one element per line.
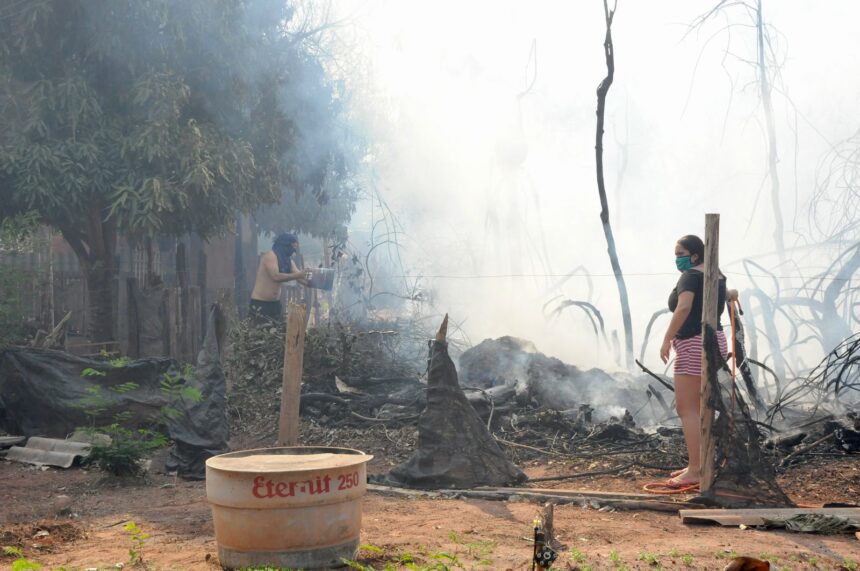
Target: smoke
<point x="488" y="182"/>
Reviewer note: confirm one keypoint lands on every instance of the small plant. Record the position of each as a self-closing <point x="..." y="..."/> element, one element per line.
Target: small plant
<point x="674" y="553"/>
<point x="481" y="549"/>
<point x="577" y="556"/>
<point x="138" y="540"/>
<point x="438" y="562"/>
<point x="173" y="387"/>
<point x="849" y="564"/>
<point x="726" y="554"/>
<point x="687" y="559"/>
<point x="21" y="563"/>
<point x="90" y="372"/>
<point x="649" y="558"/>
<point x="614" y="556"/>
<point x="119" y="362"/>
<point x="122" y="456"/>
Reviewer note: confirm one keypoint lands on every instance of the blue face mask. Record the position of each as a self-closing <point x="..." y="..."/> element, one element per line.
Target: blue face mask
<point x="683" y="263"/>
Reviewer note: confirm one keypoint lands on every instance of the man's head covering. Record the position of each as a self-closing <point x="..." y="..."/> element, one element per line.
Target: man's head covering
<point x="284" y="247"/>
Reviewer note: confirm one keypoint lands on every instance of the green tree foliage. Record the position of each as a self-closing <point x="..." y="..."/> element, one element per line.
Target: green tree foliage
<point x="147" y="118"/>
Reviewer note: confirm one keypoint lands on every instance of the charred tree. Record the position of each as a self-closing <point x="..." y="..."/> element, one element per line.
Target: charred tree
<point x="602" y="91"/>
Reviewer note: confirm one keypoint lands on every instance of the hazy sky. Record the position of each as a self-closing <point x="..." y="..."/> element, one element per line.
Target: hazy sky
<point x="439" y="93"/>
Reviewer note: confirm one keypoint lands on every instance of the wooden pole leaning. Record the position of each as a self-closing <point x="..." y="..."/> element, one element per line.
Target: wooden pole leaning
<point x="709" y="319"/>
<point x="294" y="349"/>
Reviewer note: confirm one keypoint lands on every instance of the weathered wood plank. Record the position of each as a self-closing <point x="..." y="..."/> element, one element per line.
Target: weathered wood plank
<point x="294" y="348"/>
<point x="709" y="319"/>
<point x="567" y="492"/>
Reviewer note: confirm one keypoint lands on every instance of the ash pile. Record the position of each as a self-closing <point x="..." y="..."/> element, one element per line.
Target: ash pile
<point x="506" y="374"/>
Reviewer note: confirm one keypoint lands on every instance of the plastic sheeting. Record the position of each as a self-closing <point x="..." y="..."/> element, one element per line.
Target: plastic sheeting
<point x="203" y="424"/>
<point x="51" y="393"/>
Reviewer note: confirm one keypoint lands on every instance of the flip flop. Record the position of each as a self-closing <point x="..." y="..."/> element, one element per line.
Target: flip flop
<point x="670" y="487"/>
<point x="675" y="483"/>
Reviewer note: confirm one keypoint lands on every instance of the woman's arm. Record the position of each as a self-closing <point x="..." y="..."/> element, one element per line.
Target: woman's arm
<point x="682" y="311"/>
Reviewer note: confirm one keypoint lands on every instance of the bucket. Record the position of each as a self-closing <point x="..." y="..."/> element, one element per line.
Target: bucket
<point x="296" y="507"/>
<point x="321" y="278"/>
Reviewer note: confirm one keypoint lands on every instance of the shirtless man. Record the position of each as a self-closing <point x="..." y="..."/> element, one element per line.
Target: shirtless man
<point x="276" y="267"/>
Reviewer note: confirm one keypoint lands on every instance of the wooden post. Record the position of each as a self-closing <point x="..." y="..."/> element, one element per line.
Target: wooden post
<point x="294" y="348"/>
<point x="547" y="519"/>
<point x="709" y="319"/>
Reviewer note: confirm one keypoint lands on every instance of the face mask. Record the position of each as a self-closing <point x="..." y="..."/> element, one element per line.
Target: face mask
<point x="683" y="263"/>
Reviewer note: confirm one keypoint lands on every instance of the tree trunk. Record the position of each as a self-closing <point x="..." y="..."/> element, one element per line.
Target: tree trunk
<point x="99" y="276"/>
<point x="602" y="91"/>
<point x="94" y="244"/>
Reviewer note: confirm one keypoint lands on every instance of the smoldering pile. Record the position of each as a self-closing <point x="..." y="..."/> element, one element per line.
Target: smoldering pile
<point x="373" y="376"/>
<point x="364" y="385"/>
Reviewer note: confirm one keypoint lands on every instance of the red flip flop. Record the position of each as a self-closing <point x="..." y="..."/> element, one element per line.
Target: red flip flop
<point x="670" y="487"/>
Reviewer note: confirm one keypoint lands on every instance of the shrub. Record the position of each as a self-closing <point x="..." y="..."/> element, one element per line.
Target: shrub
<point x="122" y="456"/>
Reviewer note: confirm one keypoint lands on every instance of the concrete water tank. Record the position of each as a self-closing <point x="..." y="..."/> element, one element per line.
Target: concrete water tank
<point x="296" y="507"/>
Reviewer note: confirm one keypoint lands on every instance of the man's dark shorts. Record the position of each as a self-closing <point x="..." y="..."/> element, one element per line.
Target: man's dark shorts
<point x="263" y="312"/>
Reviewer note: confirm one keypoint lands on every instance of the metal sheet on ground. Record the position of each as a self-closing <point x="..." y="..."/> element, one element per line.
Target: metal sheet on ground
<point x="758" y="516"/>
<point x="7" y="441"/>
<point x="49" y="452"/>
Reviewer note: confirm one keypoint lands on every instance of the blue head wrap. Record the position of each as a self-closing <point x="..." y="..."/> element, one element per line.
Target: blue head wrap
<point x="284" y="247"/>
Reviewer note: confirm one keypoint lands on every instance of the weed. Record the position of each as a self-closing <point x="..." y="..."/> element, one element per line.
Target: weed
<point x="20" y="563"/>
<point x="614" y="556"/>
<point x="119" y="362"/>
<point x="674" y="553"/>
<point x="577" y="556"/>
<point x="726" y="554"/>
<point x="121" y="457"/>
<point x="768" y="557"/>
<point x="440" y="561"/>
<point x="649" y="558"/>
<point x="687" y="559"/>
<point x="138" y="540"/>
<point x="813" y="561"/>
<point x="90" y="372"/>
<point x="371" y="548"/>
<point x="173" y="387"/>
<point x="481" y="549"/>
<point x="849" y="564"/>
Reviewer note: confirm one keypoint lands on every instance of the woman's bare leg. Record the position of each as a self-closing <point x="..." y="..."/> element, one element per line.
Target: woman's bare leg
<point x="687" y="389"/>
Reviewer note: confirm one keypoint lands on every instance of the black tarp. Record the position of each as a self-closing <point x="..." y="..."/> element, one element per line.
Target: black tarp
<point x="203" y="424"/>
<point x="455" y="449"/>
<point x="52" y="393"/>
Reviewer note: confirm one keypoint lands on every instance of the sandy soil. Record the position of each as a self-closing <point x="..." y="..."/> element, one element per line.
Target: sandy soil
<point x="84" y="514"/>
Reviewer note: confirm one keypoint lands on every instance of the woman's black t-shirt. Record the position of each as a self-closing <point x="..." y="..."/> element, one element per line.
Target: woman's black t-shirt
<point x="694" y="280"/>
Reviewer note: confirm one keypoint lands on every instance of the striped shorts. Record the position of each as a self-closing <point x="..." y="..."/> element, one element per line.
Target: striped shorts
<point x="688" y="354"/>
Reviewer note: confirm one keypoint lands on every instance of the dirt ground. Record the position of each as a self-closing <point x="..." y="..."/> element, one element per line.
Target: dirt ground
<point x="83" y="514"/>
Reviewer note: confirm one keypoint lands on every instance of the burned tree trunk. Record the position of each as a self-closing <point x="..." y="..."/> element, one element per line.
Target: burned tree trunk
<point x="455" y="449"/>
<point x="602" y="91"/>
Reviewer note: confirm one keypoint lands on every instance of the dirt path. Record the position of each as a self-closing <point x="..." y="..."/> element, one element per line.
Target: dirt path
<point x="84" y="517"/>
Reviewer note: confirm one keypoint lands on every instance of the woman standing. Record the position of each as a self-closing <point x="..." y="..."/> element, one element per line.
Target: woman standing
<point x="684" y="335"/>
